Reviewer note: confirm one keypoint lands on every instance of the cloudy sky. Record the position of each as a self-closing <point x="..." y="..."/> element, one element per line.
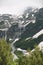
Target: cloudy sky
<point x="17" y="6"/>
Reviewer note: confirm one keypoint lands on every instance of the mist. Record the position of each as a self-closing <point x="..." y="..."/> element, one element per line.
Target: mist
<point x="17" y="7"/>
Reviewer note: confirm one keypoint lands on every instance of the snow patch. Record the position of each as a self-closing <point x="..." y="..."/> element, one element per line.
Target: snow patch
<point x="33" y="21"/>
<point x="23" y="51"/>
<point x="41" y="45"/>
<point x="5" y="29"/>
<point x="38" y="34"/>
<point x="27" y="38"/>
<point x="13" y="48"/>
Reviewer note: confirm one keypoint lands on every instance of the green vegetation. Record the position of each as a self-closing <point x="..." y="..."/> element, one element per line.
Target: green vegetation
<point x="35" y="58"/>
<point x="25" y="44"/>
<point x="30" y="30"/>
<point x="18" y="53"/>
<point x="2" y="22"/>
<point x="6" y="57"/>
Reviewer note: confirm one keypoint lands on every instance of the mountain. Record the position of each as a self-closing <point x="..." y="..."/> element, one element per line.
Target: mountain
<point x="24" y="26"/>
<point x="6" y="21"/>
<point x="29" y="37"/>
<point x="22" y="22"/>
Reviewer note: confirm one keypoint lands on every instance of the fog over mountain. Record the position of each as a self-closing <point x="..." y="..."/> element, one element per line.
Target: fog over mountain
<point x="17" y="7"/>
